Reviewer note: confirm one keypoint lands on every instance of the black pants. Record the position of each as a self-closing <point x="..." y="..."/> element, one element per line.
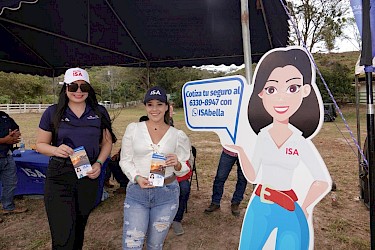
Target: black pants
<point x="120" y="177"/>
<point x="68" y="201"/>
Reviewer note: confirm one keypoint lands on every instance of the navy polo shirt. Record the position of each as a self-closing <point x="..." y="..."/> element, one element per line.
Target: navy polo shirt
<point x="6" y="123"/>
<point x="73" y="131"/>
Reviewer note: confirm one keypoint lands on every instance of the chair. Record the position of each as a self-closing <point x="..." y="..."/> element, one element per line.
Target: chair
<point x="194" y="168"/>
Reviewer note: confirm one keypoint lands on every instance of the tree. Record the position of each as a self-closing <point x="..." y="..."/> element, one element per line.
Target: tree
<point x="352" y="29"/>
<point x="19" y="88"/>
<point x="338" y="78"/>
<point x="318" y="21"/>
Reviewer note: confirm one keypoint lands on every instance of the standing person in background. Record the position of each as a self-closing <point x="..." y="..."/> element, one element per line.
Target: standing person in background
<point x="171" y="113"/>
<point x="76" y="120"/>
<point x="114" y="166"/>
<point x="150" y="210"/>
<point x="227" y="160"/>
<point x="184" y="184"/>
<point x="9" y="135"/>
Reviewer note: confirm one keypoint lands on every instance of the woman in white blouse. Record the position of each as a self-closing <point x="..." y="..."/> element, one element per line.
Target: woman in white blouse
<point x="149" y="210"/>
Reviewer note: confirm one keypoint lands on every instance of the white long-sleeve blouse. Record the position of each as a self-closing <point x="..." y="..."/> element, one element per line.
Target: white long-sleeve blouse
<point x="137" y="149"/>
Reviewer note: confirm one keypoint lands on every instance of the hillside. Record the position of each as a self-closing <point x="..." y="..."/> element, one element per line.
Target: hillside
<point x="348" y="59"/>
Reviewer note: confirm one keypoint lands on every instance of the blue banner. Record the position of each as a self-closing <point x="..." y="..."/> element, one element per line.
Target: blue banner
<point x="357" y="11"/>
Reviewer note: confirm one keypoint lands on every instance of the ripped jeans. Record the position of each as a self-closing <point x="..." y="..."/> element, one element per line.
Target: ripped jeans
<point x="148" y="213"/>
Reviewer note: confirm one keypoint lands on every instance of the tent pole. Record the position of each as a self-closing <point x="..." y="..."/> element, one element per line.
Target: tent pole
<point x="148" y="75"/>
<point x="246" y="39"/>
<point x="357" y="103"/>
<point x="88" y="23"/>
<point x="53" y="86"/>
<point x="362" y="193"/>
<point x="370" y="141"/>
<point x="366" y="60"/>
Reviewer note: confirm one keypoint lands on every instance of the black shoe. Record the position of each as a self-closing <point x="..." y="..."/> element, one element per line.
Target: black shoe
<point x="211" y="208"/>
<point x="334" y="187"/>
<point x="235" y="207"/>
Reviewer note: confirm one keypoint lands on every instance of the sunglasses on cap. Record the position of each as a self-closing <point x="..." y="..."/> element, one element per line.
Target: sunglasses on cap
<point x="73" y="87"/>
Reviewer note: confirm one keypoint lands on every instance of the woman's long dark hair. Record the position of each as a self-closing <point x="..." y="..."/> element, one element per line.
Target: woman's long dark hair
<point x="166" y="115"/>
<point x="92" y="102"/>
<point x="306" y="118"/>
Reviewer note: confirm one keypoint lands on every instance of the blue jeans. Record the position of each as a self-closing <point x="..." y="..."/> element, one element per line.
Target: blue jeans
<point x="225" y="166"/>
<point x="183" y="199"/>
<point x="148" y="211"/>
<point x="8" y="178"/>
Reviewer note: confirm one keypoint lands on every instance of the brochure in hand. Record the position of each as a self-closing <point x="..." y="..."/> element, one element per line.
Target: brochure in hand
<point x="157" y="170"/>
<point x="80" y="162"/>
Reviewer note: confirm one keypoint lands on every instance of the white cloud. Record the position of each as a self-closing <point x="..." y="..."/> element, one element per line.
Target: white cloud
<point x="221" y="68"/>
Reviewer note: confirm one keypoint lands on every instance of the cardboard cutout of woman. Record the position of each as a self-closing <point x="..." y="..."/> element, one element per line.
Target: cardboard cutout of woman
<point x="285" y="111"/>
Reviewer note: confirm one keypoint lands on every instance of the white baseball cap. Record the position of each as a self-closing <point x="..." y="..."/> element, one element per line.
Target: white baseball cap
<point x="75" y="74"/>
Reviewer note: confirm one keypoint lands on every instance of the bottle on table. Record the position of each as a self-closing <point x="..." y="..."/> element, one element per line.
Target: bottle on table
<point x="22" y="146"/>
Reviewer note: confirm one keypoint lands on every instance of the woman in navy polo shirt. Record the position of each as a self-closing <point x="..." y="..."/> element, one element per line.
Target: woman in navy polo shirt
<point x="76" y="120"/>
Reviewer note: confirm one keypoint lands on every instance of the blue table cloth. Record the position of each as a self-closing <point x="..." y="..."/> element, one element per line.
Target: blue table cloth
<point x="31" y="173"/>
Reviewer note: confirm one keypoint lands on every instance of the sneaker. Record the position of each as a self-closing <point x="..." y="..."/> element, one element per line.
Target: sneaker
<point x="211" y="208"/>
<point x="17" y="210"/>
<point x="177" y="228"/>
<point x="235" y="207"/>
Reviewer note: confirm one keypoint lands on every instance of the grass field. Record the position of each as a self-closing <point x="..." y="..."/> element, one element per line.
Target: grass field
<point x="337" y="226"/>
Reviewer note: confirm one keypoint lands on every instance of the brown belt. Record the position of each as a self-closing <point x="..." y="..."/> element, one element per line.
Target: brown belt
<point x="169" y="179"/>
<point x="284" y="199"/>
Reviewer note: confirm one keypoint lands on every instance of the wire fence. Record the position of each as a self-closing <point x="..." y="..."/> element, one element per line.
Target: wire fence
<point x="23" y="108"/>
<point x="40" y="108"/>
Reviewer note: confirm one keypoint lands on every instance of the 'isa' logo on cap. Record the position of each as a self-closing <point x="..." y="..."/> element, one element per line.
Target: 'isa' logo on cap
<point x="155" y="92"/>
<point x="77" y="73"/>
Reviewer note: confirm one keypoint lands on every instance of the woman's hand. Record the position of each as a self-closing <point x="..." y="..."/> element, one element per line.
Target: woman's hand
<point x="143" y="182"/>
<point x="63" y="151"/>
<point x="172" y="160"/>
<point x="95" y="171"/>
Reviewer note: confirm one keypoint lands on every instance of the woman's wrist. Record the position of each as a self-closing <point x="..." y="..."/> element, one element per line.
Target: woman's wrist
<point x="100" y="162"/>
<point x="54" y="151"/>
<point x="136" y="178"/>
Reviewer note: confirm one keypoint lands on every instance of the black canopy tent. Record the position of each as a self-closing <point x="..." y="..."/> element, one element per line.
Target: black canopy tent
<point x="49" y="36"/>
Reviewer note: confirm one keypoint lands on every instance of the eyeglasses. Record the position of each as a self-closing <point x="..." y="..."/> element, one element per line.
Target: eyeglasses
<point x="73" y="87"/>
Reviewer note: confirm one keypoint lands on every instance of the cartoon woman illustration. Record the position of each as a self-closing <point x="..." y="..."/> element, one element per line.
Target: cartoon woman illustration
<point x="285" y="112"/>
